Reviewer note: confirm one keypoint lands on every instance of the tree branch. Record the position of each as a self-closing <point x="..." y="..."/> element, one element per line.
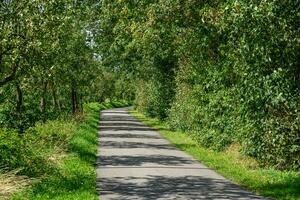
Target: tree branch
<point x="9" y="78"/>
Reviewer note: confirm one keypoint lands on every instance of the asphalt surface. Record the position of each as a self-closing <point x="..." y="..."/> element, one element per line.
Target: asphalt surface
<point x="135" y="162"/>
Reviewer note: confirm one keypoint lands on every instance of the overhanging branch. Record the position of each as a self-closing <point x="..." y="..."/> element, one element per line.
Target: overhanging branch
<point x="9" y="78"/>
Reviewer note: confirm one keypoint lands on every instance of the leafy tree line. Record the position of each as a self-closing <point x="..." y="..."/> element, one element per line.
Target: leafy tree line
<point x="48" y="64"/>
<point x="225" y="71"/>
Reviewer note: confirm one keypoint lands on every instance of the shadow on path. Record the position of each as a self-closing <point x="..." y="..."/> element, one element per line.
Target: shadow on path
<point x="134" y="145"/>
<point x="141" y="160"/>
<point x="156" y="187"/>
<point x="130" y="135"/>
<point x="135" y="162"/>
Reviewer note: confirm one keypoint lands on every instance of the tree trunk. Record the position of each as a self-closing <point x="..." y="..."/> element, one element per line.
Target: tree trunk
<point x="55" y="102"/>
<point x="43" y="101"/>
<point x="19" y="99"/>
<point x="19" y="108"/>
<point x="59" y="104"/>
<point x="74" y="99"/>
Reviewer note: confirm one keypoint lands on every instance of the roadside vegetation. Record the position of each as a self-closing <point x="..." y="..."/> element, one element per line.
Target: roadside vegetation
<point x="241" y="169"/>
<point x="49" y="73"/>
<point x="224" y="72"/>
<point x="55" y="160"/>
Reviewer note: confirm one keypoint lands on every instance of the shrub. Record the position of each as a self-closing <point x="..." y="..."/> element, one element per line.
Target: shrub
<point x="31" y="151"/>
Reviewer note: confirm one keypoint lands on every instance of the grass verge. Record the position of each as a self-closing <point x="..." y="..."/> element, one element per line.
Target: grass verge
<point x="281" y="185"/>
<point x="72" y="174"/>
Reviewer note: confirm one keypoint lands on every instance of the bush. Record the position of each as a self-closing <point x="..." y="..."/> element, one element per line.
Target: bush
<point x="32" y="152"/>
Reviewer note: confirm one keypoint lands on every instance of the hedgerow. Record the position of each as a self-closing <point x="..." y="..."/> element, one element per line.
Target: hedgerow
<point x="224" y="71"/>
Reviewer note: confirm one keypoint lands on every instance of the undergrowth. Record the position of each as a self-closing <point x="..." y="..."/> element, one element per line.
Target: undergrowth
<point x="243" y="170"/>
<point x="58" y="156"/>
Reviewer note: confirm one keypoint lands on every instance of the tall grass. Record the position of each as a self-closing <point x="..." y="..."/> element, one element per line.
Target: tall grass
<point x="59" y="155"/>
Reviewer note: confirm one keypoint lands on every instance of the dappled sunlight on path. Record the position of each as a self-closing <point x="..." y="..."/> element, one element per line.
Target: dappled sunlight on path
<point x="135" y="162"/>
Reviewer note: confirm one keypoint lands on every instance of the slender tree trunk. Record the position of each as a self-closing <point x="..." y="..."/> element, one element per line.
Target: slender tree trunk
<point x="43" y="101"/>
<point x="55" y="101"/>
<point x="19" y="99"/>
<point x="74" y="99"/>
<point x="19" y="108"/>
<point x="59" y="104"/>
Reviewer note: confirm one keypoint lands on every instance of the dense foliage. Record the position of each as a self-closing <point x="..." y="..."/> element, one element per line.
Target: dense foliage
<point x="48" y="62"/>
<point x="225" y="71"/>
<point x="50" y="68"/>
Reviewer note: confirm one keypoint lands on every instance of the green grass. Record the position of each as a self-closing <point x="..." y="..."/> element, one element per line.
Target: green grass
<point x="73" y="175"/>
<point x="281" y="185"/>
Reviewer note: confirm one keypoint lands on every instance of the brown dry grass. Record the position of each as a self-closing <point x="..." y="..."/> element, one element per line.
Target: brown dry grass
<point x="10" y="183"/>
<point x="235" y="151"/>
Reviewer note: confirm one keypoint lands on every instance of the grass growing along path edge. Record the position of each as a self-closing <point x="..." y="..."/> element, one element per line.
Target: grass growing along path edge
<point x="73" y="177"/>
<point x="281" y="185"/>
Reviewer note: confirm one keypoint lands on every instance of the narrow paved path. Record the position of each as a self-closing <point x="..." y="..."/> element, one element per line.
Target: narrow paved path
<point x="135" y="162"/>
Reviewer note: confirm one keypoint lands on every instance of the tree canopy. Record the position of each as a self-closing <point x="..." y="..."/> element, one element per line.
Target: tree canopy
<point x="226" y="71"/>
